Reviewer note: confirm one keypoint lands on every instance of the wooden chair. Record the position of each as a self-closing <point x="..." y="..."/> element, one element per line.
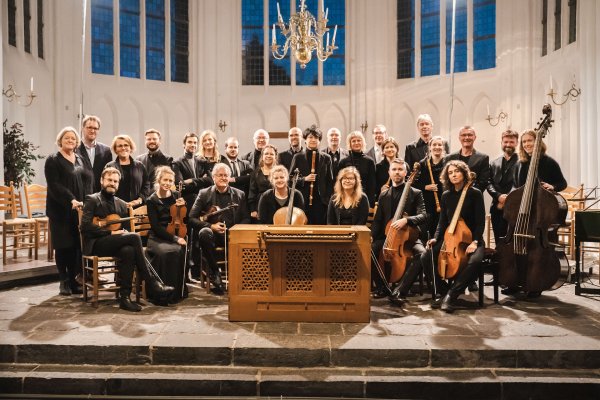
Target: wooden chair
<point x="23" y="231"/>
<point x="372" y="211"/>
<point x="566" y="233"/>
<point x="35" y="198"/>
<point x="141" y="226"/>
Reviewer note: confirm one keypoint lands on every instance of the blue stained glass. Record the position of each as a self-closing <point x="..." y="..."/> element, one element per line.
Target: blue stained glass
<point x="460" y="39"/>
<point x="129" y="35"/>
<point x="155" y="40"/>
<point x="334" y="68"/>
<point x="310" y="75"/>
<point x="484" y="34"/>
<point x="179" y="41"/>
<point x="406" y="39"/>
<point x="252" y="43"/>
<point x="430" y="37"/>
<point x="279" y="70"/>
<point x="102" y="37"/>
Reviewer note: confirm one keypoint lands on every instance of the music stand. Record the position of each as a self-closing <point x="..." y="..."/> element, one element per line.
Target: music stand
<point x="587" y="229"/>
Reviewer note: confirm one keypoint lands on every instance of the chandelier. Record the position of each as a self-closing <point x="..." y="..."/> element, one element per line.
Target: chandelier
<point x="303" y="35"/>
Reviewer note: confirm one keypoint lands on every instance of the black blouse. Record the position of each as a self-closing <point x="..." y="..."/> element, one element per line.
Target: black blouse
<point x="160" y="215"/>
<point x="424" y="179"/>
<point x="472" y="212"/>
<point x="259" y="183"/>
<point x="366" y="168"/>
<point x="549" y="171"/>
<point x="338" y="215"/>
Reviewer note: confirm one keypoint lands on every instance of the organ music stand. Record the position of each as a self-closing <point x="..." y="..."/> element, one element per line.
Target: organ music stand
<point x="587" y="229"/>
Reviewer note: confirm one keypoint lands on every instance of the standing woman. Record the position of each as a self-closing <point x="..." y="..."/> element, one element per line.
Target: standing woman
<point x="208" y="149"/>
<point x="430" y="190"/>
<point x="363" y="163"/>
<point x="277" y="197"/>
<point x="348" y="205"/>
<point x="454" y="177"/>
<point x="166" y="251"/>
<point x="390" y="149"/>
<point x="134" y="185"/>
<point x="67" y="183"/>
<point x="259" y="180"/>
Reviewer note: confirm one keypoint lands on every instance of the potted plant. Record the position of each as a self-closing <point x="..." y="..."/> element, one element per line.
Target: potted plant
<point x="18" y="156"/>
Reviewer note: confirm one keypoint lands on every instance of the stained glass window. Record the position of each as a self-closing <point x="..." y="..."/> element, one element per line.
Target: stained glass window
<point x="279" y="70"/>
<point x="484" y="34"/>
<point x="27" y="25"/>
<point x="155" y="40"/>
<point x="334" y="69"/>
<point x="430" y="37"/>
<point x="129" y="35"/>
<point x="179" y="41"/>
<point x="102" y="37"/>
<point x="406" y="39"/>
<point x="40" y="28"/>
<point x="460" y="36"/>
<point x="252" y="42"/>
<point x="572" y="20"/>
<point x="309" y="76"/>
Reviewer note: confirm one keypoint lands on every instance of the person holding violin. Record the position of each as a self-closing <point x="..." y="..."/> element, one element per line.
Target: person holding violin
<point x="126" y="246"/>
<point x="413" y="216"/>
<point x="278" y="196"/>
<point x="348" y="205"/>
<point x="390" y="148"/>
<point x="471" y="211"/>
<point x="364" y="164"/>
<point x="260" y="178"/>
<point x="211" y="232"/>
<point x="166" y="239"/>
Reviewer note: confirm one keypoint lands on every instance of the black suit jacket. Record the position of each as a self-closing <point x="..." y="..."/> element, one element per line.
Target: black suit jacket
<point x="417" y="150"/>
<point x="285" y="157"/>
<point x="478" y="163"/>
<point x="241" y="182"/>
<point x="252" y="157"/>
<point x="183" y="171"/>
<point x="207" y="198"/>
<point x="324" y="183"/>
<point x="371" y="154"/>
<point x="501" y="180"/>
<point x="95" y="205"/>
<point x="153" y="161"/>
<point x="140" y="184"/>
<point x="102" y="157"/>
<point x="415" y="208"/>
<point x="335" y="159"/>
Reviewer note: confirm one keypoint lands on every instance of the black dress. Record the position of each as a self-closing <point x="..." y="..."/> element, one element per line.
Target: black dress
<point x="164" y="253"/>
<point x="424" y="179"/>
<point x="268" y="204"/>
<point x="366" y="168"/>
<point x="259" y="183"/>
<point x="138" y="185"/>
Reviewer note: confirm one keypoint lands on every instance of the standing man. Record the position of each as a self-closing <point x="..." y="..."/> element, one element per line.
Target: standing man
<point x="379" y="135"/>
<point x="154" y="158"/>
<point x="192" y="170"/>
<point x="261" y="139"/>
<point x="417" y="150"/>
<point x="502" y="180"/>
<point x="285" y="158"/>
<point x="95" y="155"/>
<point x="240" y="169"/>
<point x="477" y="162"/>
<point x="316" y="178"/>
<point x="334" y="150"/>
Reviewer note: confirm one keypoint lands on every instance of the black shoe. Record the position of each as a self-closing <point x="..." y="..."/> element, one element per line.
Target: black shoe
<point x="64" y="288"/>
<point x="126" y="304"/>
<point x="437" y="303"/>
<point x="509" y="291"/>
<point x="378" y="293"/>
<point x="76" y="289"/>
<point x="218" y="290"/>
<point x="473" y="287"/>
<point x="533" y="295"/>
<point x="447" y="305"/>
<point x="158" y="289"/>
<point x="396" y="300"/>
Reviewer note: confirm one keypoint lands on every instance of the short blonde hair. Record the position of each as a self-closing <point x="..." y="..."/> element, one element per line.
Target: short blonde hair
<point x="63" y="132"/>
<point x="277" y="169"/>
<point x="126" y="138"/>
<point x="354" y="134"/>
<point x="160" y="171"/>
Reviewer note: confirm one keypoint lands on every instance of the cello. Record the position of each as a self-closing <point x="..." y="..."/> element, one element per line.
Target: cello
<point x="458" y="236"/>
<point x="397" y="248"/>
<point x="290" y="215"/>
<point x="528" y="257"/>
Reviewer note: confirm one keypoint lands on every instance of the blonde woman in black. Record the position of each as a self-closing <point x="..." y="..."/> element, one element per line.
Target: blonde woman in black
<point x="348" y="205"/>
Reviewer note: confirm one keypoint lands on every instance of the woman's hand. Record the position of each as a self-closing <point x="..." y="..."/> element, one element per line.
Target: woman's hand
<point x="180" y="202"/>
<point x="431" y="243"/>
<point x="471" y="248"/>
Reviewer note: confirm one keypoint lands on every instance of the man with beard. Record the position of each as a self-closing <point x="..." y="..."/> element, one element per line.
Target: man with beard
<point x="334" y="150"/>
<point x="124" y="245"/>
<point x="261" y="139"/>
<point x="285" y="157"/>
<point x="379" y="136"/>
<point x="191" y="170"/>
<point x="95" y="155"/>
<point x="502" y="180"/>
<point x="154" y="157"/>
<point x="240" y="169"/>
<point x="417" y="150"/>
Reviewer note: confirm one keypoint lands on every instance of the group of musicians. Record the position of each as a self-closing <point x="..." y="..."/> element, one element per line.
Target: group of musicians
<point x="329" y="186"/>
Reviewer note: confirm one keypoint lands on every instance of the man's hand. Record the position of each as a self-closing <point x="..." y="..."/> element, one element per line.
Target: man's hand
<point x="310" y="178"/>
<point x="219" y="227"/>
<point x="118" y="232"/>
<point x="399" y="223"/>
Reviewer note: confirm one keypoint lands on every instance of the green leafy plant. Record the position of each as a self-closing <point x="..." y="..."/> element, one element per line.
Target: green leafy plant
<point x="18" y="155"/>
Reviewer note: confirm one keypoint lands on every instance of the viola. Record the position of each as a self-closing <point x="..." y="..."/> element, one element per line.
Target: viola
<point x="111" y="222"/>
<point x="290" y="215"/>
<point x="528" y="256"/>
<point x="397" y="248"/>
<point x="178" y="224"/>
<point x="453" y="253"/>
<point x="213" y="212"/>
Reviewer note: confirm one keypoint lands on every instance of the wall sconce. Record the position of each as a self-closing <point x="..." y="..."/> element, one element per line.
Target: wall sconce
<point x="222" y="125"/>
<point x="500" y="118"/>
<point x="12" y="95"/>
<point x="572" y="94"/>
<point x="364" y="126"/>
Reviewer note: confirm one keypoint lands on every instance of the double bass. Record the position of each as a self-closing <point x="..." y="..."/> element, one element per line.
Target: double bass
<point x="290" y="215"/>
<point x="397" y="248"/>
<point x="528" y="256"/>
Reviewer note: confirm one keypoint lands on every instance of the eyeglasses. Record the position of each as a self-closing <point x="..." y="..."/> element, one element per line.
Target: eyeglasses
<point x="92" y="128"/>
<point x="348" y="178"/>
<point x="222" y="175"/>
<point x="122" y="145"/>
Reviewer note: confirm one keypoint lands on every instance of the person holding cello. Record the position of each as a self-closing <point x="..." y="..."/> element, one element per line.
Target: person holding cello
<point x="463" y="203"/>
<point x="228" y="207"/>
<point x="166" y="239"/>
<point x="348" y="205"/>
<point x="278" y="197"/>
<point x="126" y="246"/>
<point x="413" y="216"/>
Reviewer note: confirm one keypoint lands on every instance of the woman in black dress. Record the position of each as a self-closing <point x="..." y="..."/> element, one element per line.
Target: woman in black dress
<point x="390" y="149"/>
<point x="166" y="252"/>
<point x="209" y="149"/>
<point x="348" y="205"/>
<point x="134" y="186"/>
<point x="67" y="180"/>
<point x="363" y="163"/>
<point x="277" y="197"/>
<point x="259" y="180"/>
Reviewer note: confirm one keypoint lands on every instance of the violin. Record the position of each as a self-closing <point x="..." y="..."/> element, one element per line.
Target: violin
<point x="290" y="215"/>
<point x="178" y="224"/>
<point x="111" y="222"/>
<point x="458" y="236"/>
<point x="211" y="215"/>
<point x="397" y="248"/>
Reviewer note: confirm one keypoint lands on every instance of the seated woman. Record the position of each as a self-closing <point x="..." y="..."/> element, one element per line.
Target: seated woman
<point x="259" y="180"/>
<point x="348" y="205"/>
<point x="166" y="251"/>
<point x="277" y="197"/>
<point x="454" y="177"/>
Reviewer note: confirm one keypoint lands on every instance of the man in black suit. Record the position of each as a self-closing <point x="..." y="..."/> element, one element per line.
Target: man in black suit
<point x="154" y="158"/>
<point x="240" y="169"/>
<point x="285" y="157"/>
<point x="212" y="234"/>
<point x="379" y="136"/>
<point x="502" y="181"/>
<point x="95" y="155"/>
<point x="316" y="179"/>
<point x="124" y="245"/>
<point x="417" y="150"/>
<point x="477" y="162"/>
<point x="191" y="170"/>
<point x="261" y="139"/>
<point x="334" y="150"/>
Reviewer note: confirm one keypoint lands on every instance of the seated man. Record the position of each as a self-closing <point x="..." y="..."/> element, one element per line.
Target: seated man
<point x="211" y="232"/>
<point x="126" y="246"/>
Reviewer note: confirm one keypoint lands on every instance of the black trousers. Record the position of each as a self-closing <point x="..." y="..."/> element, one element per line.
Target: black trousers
<point x="208" y="241"/>
<point x="410" y="274"/>
<point x="499" y="224"/>
<point x="68" y="263"/>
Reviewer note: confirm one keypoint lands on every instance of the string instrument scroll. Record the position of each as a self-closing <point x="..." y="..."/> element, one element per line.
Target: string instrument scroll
<point x="435" y="194"/>
<point x="290" y="215"/>
<point x="312" y="184"/>
<point x="178" y="226"/>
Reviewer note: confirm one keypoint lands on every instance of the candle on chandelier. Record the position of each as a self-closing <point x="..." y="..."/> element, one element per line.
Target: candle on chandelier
<point x="327" y="40"/>
<point x="31" y="84"/>
<point x="326" y="12"/>
<point x="488" y="109"/>
<point x="550" y="81"/>
<point x="279" y="13"/>
<point x="273" y="38"/>
<point x="322" y="7"/>
<point x="334" y="33"/>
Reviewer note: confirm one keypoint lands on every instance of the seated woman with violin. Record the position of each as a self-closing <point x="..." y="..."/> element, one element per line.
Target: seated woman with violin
<point x="457" y="246"/>
<point x="278" y="198"/>
<point x="348" y="205"/>
<point x="166" y="239"/>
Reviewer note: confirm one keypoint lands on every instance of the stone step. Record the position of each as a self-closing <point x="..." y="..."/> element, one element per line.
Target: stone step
<point x="396" y="383"/>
